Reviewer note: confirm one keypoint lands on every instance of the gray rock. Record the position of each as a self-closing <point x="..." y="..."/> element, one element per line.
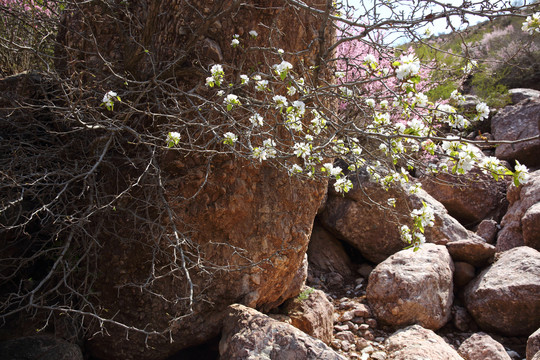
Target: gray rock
<point x="520" y="94"/>
<point x="518" y="122"/>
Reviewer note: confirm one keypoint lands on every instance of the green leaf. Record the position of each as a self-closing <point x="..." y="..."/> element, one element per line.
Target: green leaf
<point x="229" y="107"/>
<point x="283" y="75"/>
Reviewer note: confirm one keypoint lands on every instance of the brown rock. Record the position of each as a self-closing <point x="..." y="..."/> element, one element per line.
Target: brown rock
<point x="39" y="347"/>
<point x="517" y="122"/>
<point x="413" y="287"/>
<point x="249" y="334"/>
<point x="313" y="315"/>
<point x="415" y="342"/>
<point x="505" y="297"/>
<point x="245" y="234"/>
<point x="463" y="273"/>
<point x="326" y="254"/>
<point x="530" y="223"/>
<point x="363" y="219"/>
<point x="481" y="346"/>
<point x="473" y="251"/>
<point x="469" y="198"/>
<point x="521" y="199"/>
<point x="461" y="319"/>
<point x="487" y="230"/>
<point x="533" y="344"/>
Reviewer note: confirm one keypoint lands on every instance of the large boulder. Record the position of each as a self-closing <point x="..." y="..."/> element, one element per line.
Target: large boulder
<point x="505" y="297"/>
<point x="249" y="334"/>
<point x="363" y="218"/>
<point x="312" y="313"/>
<point x="225" y="229"/>
<point x="521" y="94"/>
<point x="468" y="198"/>
<point x="481" y="346"/>
<point x="415" y="343"/>
<point x="530" y="224"/>
<point x="473" y="251"/>
<point x="521" y="219"/>
<point x="518" y="122"/>
<point x="39" y="347"/>
<point x="326" y="254"/>
<point x="413" y="287"/>
<point x="533" y="344"/>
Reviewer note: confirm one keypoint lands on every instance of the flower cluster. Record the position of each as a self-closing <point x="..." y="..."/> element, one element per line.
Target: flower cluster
<point x="231" y="100"/>
<point x="235" y="41"/>
<point x="408" y="67"/>
<point x="282" y="69"/>
<point x="173" y="138"/>
<point x="217" y="76"/>
<point x="108" y="100"/>
<point x="266" y="151"/>
<point x="532" y="24"/>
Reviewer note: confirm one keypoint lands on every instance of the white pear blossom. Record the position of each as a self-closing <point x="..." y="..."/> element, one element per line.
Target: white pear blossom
<point x="302" y="149"/>
<point x="229" y="138"/>
<point x="343" y="185"/>
<point x="483" y="111"/>
<point x="370" y="102"/>
<point x="532" y="24"/>
<point x="266" y="151"/>
<point x="253" y="33"/>
<point x="280" y="101"/>
<point x="173" y="138"/>
<point x="299" y="107"/>
<point x="261" y="85"/>
<point x="231" y="100"/>
<point x="339" y="74"/>
<point x="244" y="79"/>
<point x="280" y="51"/>
<point x="332" y="170"/>
<point x="108" y="99"/>
<point x="282" y="68"/>
<point x="296" y="169"/>
<point x="371" y="61"/>
<point x="521" y="174"/>
<point x="410" y="66"/>
<point x="256" y="119"/>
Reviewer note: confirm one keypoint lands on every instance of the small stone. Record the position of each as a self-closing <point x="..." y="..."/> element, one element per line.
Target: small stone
<point x="347" y="316"/>
<point x="336" y="344"/>
<point x="379" y="355"/>
<point x="368" y="349"/>
<point x="362" y="310"/>
<point x="368" y="335"/>
<point x="345" y="335"/>
<point x="339" y="328"/>
<point x="364" y="327"/>
<point x="362" y="343"/>
<point x="358" y="320"/>
<point x="371" y="322"/>
<point x="380" y="339"/>
<point x="345" y="345"/>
